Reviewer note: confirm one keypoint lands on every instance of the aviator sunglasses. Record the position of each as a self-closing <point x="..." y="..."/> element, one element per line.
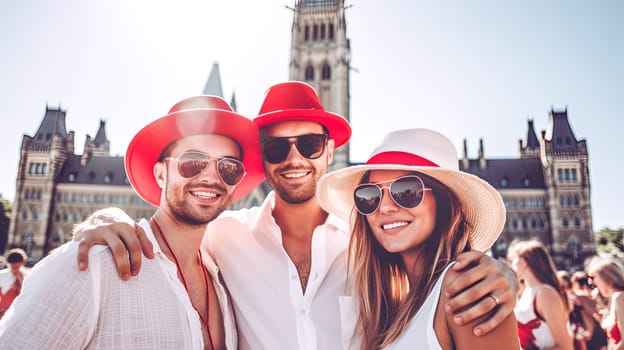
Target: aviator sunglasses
<point x="407" y="192"/>
<point x="276" y="149"/>
<point x="193" y="163"/>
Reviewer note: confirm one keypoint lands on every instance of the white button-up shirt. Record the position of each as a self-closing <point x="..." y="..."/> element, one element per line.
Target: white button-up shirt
<point x="63" y="308"/>
<point x="271" y="310"/>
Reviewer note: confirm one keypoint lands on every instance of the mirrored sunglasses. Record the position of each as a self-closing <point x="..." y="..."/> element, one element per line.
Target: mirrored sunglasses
<point x="193" y="163"/>
<point x="407" y="192"/>
<point x="276" y="149"/>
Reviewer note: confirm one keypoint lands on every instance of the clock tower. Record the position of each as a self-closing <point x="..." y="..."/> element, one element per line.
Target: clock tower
<point x="320" y="56"/>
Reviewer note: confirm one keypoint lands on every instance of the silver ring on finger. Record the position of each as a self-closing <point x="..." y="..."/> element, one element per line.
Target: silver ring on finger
<point x="495" y="298"/>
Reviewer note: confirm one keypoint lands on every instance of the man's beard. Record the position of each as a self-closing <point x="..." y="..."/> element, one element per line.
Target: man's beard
<point x="184" y="214"/>
<point x="292" y="194"/>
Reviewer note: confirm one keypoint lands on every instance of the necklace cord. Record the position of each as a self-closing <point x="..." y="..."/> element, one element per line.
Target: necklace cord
<point x="183" y="279"/>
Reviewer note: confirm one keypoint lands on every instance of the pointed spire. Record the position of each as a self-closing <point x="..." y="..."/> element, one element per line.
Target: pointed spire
<point x="213" y="85"/>
<point x="100" y="136"/>
<point x="531" y="139"/>
<point x="233" y="102"/>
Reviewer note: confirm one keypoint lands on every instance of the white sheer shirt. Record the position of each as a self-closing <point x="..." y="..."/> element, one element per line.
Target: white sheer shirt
<point x="63" y="308"/>
<point x="271" y="310"/>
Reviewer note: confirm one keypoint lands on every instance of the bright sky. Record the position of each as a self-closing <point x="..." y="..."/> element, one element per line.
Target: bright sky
<point x="470" y="69"/>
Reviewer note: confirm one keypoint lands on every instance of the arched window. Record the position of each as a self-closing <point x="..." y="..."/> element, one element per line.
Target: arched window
<point x="504" y="182"/>
<point x="35" y="215"/>
<point x="565" y="222"/>
<point x="25" y="214"/>
<point x="331" y="31"/>
<point x="323" y="31"/>
<point x="108" y="178"/>
<point x="306" y="33"/>
<point x="326" y="73"/>
<point x="72" y="177"/>
<point x="526" y="182"/>
<point x="577" y="222"/>
<point x="315" y="30"/>
<point x="561" y="201"/>
<point x="309" y="73"/>
<point x="574" y="175"/>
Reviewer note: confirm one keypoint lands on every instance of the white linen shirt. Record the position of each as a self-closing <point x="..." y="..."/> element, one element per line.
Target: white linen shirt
<point x="271" y="310"/>
<point x="63" y="308"/>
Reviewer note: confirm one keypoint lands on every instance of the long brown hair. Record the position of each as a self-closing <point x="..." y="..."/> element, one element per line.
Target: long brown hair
<point x="386" y="301"/>
<point x="538" y="260"/>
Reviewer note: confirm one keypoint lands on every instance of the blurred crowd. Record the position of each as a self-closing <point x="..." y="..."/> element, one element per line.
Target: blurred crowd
<point x="559" y="309"/>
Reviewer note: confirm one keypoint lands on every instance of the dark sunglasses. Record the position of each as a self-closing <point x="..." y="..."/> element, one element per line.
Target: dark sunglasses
<point x="407" y="192"/>
<point x="276" y="149"/>
<point x="193" y="163"/>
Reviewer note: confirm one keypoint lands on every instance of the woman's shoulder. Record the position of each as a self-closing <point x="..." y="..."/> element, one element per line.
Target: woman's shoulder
<point x="546" y="291"/>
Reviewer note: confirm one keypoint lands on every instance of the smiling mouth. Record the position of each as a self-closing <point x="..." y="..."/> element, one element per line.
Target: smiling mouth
<point x="395" y="225"/>
<point x="204" y="195"/>
<point x="295" y="175"/>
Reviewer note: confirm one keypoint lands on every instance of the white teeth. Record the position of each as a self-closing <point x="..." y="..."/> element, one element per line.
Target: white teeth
<point x="394" y="225"/>
<point x="294" y="175"/>
<point x="204" y="194"/>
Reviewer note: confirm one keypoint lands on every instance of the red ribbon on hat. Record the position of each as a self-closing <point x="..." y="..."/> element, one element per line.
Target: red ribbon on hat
<point x="400" y="158"/>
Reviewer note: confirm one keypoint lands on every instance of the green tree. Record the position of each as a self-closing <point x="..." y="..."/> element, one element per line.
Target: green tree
<point x="610" y="241"/>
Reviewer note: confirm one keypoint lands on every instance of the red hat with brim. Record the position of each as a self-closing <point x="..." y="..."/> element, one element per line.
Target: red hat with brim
<point x="295" y="100"/>
<point x="192" y="116"/>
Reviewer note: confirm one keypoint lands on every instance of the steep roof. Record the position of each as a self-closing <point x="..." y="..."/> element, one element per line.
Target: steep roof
<point x="531" y="139"/>
<point x="100" y="137"/>
<point x="213" y="85"/>
<point x="509" y="173"/>
<point x="560" y="133"/>
<point x="53" y="123"/>
<point x="98" y="170"/>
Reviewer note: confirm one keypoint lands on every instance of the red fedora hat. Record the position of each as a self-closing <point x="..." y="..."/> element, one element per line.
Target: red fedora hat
<point x="295" y="100"/>
<point x="192" y="116"/>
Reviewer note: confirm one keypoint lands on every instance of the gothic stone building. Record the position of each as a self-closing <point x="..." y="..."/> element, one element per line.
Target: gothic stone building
<point x="546" y="191"/>
<point x="57" y="189"/>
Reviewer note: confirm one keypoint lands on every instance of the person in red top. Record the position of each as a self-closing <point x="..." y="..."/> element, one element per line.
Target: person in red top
<point x="11" y="278"/>
<point x="608" y="276"/>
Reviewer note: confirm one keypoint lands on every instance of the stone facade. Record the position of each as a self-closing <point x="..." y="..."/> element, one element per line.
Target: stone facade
<point x="57" y="189"/>
<point x="546" y="191"/>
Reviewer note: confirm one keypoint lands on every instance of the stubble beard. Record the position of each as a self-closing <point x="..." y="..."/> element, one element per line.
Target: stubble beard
<point x="297" y="194"/>
<point x="184" y="213"/>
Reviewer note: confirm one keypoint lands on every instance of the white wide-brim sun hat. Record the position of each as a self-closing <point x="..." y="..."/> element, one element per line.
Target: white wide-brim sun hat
<point x="430" y="153"/>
